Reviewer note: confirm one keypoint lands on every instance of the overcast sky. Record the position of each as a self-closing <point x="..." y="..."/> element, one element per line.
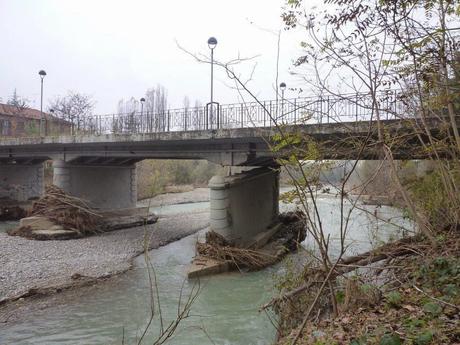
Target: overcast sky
<point x="117" y="49"/>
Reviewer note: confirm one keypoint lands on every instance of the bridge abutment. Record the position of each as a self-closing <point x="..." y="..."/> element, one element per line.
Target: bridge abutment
<point x="104" y="187"/>
<point x="245" y="204"/>
<point x="21" y="182"/>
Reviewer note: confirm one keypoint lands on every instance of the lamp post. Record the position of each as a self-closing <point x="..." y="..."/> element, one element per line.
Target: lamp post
<point x="142" y="109"/>
<point x="212" y="42"/>
<point x="142" y="105"/>
<point x="42" y="75"/>
<point x="283" y="88"/>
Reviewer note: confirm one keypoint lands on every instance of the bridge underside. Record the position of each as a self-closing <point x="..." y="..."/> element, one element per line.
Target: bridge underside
<point x="228" y="147"/>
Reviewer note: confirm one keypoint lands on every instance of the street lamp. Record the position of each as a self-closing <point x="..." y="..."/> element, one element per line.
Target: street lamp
<point x="142" y="109"/>
<point x="212" y="42"/>
<point x="283" y="88"/>
<point x="142" y="105"/>
<point x="42" y="75"/>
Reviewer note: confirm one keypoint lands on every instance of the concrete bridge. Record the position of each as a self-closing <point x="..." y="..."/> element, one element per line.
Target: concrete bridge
<point x="98" y="162"/>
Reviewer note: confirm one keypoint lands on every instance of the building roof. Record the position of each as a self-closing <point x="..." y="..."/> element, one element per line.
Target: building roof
<point x="27" y="113"/>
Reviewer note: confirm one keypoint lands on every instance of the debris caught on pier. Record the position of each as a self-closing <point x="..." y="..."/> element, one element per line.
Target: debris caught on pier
<point x="216" y="247"/>
<point x="224" y="255"/>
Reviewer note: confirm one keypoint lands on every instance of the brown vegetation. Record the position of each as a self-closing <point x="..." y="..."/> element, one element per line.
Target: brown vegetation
<point x="157" y="176"/>
<point x="240" y="257"/>
<point x="411" y="297"/>
<point x="67" y="211"/>
<point x="286" y="239"/>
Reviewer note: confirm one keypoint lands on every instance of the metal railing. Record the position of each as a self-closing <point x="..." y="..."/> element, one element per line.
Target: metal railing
<point x="306" y="110"/>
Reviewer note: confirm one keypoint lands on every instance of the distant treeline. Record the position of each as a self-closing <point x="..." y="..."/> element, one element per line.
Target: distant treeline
<point x="155" y="175"/>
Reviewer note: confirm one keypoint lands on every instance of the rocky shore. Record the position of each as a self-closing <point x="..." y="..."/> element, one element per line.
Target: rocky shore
<point x="29" y="267"/>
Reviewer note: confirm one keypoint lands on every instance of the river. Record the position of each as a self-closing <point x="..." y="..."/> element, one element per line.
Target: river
<point x="226" y="310"/>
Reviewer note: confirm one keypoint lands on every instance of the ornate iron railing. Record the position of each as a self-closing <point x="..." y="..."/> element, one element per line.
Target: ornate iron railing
<point x="306" y="110"/>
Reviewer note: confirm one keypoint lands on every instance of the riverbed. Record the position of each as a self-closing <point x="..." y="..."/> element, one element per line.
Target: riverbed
<point x="226" y="310"/>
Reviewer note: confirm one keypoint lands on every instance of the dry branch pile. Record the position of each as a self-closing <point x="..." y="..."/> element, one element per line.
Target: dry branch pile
<point x="290" y="234"/>
<point x="69" y="212"/>
<point x="219" y="249"/>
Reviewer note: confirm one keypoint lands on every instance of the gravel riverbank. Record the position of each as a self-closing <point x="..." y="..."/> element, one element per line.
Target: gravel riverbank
<point x="29" y="267"/>
<point x="196" y="195"/>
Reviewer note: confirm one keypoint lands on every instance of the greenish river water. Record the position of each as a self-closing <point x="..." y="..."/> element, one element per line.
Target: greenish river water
<point x="5" y="226"/>
<point x="226" y="310"/>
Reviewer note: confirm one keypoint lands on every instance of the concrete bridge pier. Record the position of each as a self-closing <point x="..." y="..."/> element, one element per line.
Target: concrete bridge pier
<point x="244" y="205"/>
<point x="103" y="186"/>
<point x="21" y="181"/>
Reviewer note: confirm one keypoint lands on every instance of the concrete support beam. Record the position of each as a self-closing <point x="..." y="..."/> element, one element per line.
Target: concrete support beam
<point x="245" y="204"/>
<point x="104" y="187"/>
<point x="21" y="182"/>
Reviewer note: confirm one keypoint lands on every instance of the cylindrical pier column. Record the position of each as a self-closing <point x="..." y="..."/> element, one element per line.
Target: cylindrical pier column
<point x="244" y="205"/>
<point x="220" y="221"/>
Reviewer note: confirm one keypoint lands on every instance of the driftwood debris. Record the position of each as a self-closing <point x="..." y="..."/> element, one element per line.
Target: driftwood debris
<point x="240" y="257"/>
<point x="68" y="212"/>
<point x="291" y="233"/>
<point x="60" y="216"/>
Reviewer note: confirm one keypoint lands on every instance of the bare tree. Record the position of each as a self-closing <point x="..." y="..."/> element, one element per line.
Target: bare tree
<point x="156" y="104"/>
<point x="154" y="115"/>
<point x="17" y="101"/>
<point x="198" y="114"/>
<point x="127" y="120"/>
<point x="129" y="106"/>
<point x="352" y="47"/>
<point x="368" y="47"/>
<point x="187" y="114"/>
<point x="161" y="106"/>
<point x="76" y="108"/>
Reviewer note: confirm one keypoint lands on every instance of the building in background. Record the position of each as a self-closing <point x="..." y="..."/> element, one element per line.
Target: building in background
<point x="25" y="122"/>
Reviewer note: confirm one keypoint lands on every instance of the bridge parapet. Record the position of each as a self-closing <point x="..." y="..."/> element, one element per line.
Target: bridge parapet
<point x="315" y="110"/>
<point x="302" y="110"/>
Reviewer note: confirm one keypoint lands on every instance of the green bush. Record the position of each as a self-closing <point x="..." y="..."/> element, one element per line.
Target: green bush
<point x="390" y="339"/>
<point x="394" y="298"/>
<point x="424" y="338"/>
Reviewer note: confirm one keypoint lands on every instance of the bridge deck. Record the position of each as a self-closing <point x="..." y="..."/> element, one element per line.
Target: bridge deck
<point x="254" y="143"/>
